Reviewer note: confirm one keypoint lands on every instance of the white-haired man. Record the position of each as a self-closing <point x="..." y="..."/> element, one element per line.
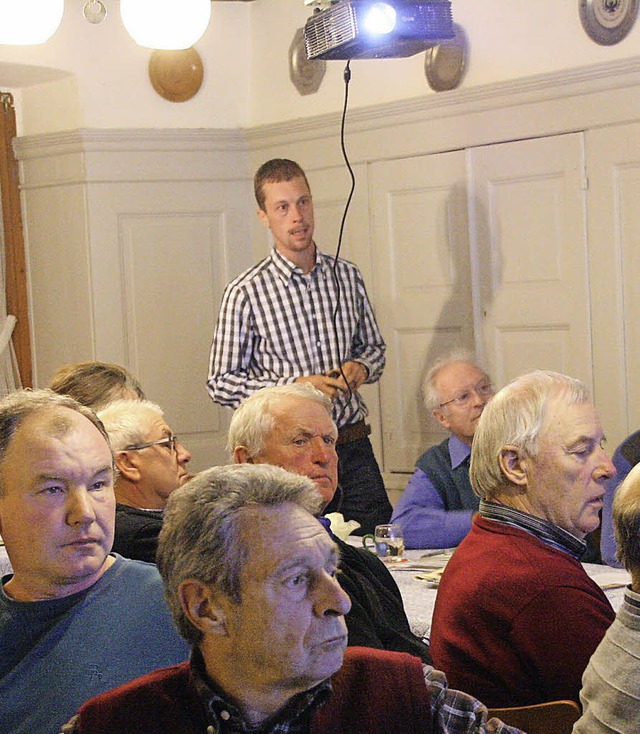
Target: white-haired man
<point x="150" y="464"/>
<point x="75" y="619"/>
<point x="437" y="505"/>
<point x="517" y="617"/>
<point x="291" y="426"/>
<point x="250" y="577"/>
<point x="610" y="694"/>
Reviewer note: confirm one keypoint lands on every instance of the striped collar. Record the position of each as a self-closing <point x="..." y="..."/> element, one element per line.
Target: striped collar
<point x="287" y="269"/>
<point x="547" y="532"/>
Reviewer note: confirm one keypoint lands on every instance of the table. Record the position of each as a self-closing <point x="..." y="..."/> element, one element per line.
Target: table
<point x="419" y="597"/>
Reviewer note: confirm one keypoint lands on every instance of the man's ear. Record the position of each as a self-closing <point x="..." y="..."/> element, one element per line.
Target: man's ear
<point x="513" y="464"/>
<point x="441" y="417"/>
<point x="202" y="606"/>
<point x="241" y="455"/>
<point x="262" y="216"/>
<point x="127" y="465"/>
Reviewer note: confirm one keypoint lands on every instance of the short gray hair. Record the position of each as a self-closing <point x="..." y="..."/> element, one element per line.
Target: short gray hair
<point x="22" y="404"/>
<point x="514" y="417"/>
<point x="253" y="419"/>
<point x="200" y="537"/>
<point x="128" y="421"/>
<point x="626" y="520"/>
<point x="429" y="393"/>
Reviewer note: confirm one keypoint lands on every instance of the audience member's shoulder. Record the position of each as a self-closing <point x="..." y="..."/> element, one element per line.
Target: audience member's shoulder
<point x="630" y="448"/>
<point x="438" y="449"/>
<point x="134" y="571"/>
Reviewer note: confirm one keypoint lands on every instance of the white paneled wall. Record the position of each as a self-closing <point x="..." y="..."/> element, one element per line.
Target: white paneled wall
<point x="131" y="240"/>
<point x="461" y="214"/>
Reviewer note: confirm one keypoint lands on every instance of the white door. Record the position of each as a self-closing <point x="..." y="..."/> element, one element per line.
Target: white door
<point x="421" y="275"/>
<point x="613" y="160"/>
<point x="530" y="266"/>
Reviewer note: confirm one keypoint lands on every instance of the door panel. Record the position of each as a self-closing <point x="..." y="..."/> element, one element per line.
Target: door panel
<point x="613" y="158"/>
<point x="530" y="256"/>
<point x="422" y="275"/>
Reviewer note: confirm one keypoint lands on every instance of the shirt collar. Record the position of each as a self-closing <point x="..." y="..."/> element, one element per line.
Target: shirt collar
<point x="459" y="451"/>
<point x="286" y="269"/>
<point x="547" y="532"/>
<point x="224" y="716"/>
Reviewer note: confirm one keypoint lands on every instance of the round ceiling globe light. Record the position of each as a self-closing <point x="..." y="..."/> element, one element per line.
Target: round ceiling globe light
<point x="26" y="23"/>
<point x="165" y="24"/>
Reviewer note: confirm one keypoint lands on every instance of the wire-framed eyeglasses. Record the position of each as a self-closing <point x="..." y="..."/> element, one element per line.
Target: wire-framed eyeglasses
<point x="169" y="441"/>
<point x="483" y="390"/>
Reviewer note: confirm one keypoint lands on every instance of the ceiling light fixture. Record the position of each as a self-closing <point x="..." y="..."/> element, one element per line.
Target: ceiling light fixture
<point x="25" y="23"/>
<point x="165" y="24"/>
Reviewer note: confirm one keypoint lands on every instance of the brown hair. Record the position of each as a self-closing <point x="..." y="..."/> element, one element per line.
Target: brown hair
<point x="273" y="171"/>
<point x="94" y="384"/>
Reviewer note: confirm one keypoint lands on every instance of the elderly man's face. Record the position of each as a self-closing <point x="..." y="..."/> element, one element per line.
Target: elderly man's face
<point x="163" y="467"/>
<point x="57" y="511"/>
<point x="466" y="390"/>
<point x="303" y="441"/>
<point x="565" y="481"/>
<point x="289" y="630"/>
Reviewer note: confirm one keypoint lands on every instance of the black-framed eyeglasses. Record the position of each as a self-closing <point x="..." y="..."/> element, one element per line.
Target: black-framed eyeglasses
<point x="483" y="390"/>
<point x="169" y="441"/>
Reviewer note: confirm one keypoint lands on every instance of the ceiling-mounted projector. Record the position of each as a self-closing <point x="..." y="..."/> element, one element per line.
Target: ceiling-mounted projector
<point x="368" y="29"/>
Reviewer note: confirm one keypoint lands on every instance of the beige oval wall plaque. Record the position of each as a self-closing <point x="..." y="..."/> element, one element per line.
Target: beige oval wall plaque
<point x="608" y="21"/>
<point x="176" y="75"/>
<point x="446" y="62"/>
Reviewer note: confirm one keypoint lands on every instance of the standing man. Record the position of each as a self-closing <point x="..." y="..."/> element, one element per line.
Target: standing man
<point x="301" y="316"/>
<point x="436" y="507"/>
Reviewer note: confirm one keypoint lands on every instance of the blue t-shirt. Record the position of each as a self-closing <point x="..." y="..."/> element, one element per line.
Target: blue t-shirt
<point x="55" y="654"/>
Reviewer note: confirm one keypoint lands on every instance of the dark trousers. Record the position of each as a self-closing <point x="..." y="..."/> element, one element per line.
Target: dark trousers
<point x="361" y="494"/>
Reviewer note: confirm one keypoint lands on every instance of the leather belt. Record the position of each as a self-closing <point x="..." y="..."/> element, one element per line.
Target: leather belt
<point x="353" y="432"/>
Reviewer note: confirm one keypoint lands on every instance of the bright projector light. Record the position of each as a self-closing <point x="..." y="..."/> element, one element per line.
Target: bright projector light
<point x="344" y="29"/>
<point x="380" y="19"/>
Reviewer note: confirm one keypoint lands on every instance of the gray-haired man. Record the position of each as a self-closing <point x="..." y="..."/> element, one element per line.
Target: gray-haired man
<point x="250" y="577"/>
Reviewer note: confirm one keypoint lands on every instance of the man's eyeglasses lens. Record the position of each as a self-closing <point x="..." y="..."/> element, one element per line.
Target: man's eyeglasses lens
<point x="482" y="390"/>
<point x="169" y="441"/>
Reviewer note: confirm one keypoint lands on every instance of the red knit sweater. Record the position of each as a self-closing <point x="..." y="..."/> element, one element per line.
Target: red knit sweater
<point x="374" y="692"/>
<point x="515" y="621"/>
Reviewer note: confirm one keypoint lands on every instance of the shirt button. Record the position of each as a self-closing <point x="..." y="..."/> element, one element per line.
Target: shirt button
<point x="225" y="715"/>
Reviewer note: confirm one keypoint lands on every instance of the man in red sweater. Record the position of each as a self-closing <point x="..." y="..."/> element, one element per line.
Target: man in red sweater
<point x="516" y="617"/>
<point x="250" y="577"/>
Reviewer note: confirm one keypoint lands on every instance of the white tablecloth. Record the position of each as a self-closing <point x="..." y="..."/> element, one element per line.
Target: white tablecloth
<point x="419" y="598"/>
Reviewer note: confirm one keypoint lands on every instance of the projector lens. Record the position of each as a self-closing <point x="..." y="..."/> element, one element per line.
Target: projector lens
<point x="379" y="19"/>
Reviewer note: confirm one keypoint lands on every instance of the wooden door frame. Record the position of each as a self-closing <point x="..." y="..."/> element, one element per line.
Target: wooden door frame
<point x="15" y="260"/>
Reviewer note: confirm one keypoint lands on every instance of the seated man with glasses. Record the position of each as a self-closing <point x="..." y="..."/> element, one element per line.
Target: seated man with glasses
<point x="150" y="464"/>
<point x="436" y="507"/>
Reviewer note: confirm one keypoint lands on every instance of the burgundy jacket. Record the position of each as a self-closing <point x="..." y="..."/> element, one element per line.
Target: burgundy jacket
<point x="374" y="692"/>
<point x="515" y="620"/>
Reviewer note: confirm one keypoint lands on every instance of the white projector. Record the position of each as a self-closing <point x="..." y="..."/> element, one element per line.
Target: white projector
<point x="367" y="29"/>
